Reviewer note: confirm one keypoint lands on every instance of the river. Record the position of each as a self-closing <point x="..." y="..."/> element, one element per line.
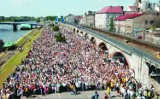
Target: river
<point x="7" y="34"/>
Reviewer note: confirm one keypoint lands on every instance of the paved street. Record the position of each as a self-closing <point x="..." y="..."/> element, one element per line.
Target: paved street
<point x="80" y="95"/>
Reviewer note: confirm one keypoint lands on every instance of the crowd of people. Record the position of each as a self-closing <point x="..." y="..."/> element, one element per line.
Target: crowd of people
<point x="75" y="65"/>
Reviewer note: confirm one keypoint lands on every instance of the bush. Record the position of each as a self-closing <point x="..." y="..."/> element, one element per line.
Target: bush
<point x="60" y="38"/>
<point x="56" y="28"/>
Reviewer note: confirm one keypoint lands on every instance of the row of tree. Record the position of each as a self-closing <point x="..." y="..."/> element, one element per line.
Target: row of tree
<point x="16" y="18"/>
<point x="47" y="18"/>
<point x="51" y="18"/>
<point x="28" y="18"/>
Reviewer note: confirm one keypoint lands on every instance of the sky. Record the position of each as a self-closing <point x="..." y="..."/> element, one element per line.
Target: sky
<point x="38" y="8"/>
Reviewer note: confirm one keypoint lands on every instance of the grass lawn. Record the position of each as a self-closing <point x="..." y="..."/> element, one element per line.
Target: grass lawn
<point x="18" y="43"/>
<point x="9" y="67"/>
<point x="2" y="54"/>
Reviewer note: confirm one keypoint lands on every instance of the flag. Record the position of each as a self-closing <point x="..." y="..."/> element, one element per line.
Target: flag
<point x="62" y="19"/>
<point x="57" y="20"/>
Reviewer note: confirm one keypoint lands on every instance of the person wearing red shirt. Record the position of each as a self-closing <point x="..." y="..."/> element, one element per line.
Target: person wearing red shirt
<point x="105" y="96"/>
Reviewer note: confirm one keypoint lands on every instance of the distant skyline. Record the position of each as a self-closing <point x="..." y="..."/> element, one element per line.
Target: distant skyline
<point x="56" y="7"/>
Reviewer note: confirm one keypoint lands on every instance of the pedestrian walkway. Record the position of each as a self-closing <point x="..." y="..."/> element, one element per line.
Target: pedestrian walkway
<point x="80" y="95"/>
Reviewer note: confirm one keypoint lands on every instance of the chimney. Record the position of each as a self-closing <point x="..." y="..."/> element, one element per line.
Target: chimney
<point x="122" y="8"/>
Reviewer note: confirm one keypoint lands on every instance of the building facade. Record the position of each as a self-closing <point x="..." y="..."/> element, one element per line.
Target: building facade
<point x="134" y="23"/>
<point x="128" y="23"/>
<point x="77" y="19"/>
<point x="70" y="18"/>
<point x="83" y="21"/>
<point x="88" y="19"/>
<point x="103" y="17"/>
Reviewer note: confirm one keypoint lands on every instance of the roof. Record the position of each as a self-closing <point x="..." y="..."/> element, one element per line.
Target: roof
<point x="111" y="9"/>
<point x="127" y="16"/>
<point x="78" y="17"/>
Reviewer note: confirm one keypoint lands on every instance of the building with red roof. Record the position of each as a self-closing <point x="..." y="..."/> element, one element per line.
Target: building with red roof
<point x="128" y="22"/>
<point x="102" y="17"/>
<point x="135" y="22"/>
<point x="111" y="9"/>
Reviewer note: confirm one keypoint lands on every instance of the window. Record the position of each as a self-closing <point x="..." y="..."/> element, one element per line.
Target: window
<point x="146" y="22"/>
<point x="151" y="22"/>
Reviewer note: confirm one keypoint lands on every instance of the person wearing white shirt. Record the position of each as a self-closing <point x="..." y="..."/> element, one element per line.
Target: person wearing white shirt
<point x="122" y="91"/>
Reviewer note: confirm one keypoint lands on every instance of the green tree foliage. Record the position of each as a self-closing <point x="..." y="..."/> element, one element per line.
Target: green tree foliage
<point x="111" y="24"/>
<point x="52" y="18"/>
<point x="153" y="27"/>
<point x="61" y="16"/>
<point x="2" y="18"/>
<point x="16" y="18"/>
<point x="60" y="38"/>
<point x="37" y="19"/>
<point x="56" y="28"/>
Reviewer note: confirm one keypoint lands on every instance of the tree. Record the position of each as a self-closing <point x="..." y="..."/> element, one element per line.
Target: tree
<point x="60" y="38"/>
<point x="1" y="44"/>
<point x="37" y="19"/>
<point x="2" y="18"/>
<point x="18" y="18"/>
<point x="153" y="27"/>
<point x="52" y="18"/>
<point x="111" y="24"/>
<point x="56" y="28"/>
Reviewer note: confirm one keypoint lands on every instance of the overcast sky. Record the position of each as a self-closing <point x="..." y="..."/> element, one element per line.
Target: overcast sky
<point x="56" y="7"/>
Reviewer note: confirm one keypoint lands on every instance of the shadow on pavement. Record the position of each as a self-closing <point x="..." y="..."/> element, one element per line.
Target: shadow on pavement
<point x="114" y="96"/>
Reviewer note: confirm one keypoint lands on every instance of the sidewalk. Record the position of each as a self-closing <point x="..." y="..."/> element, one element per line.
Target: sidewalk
<point x="80" y="95"/>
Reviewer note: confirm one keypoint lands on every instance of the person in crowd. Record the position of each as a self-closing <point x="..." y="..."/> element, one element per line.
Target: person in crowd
<point x="105" y="96"/>
<point x="96" y="95"/>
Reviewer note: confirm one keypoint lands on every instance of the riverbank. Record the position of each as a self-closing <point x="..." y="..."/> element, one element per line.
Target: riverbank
<point x="20" y="40"/>
<point x="16" y="59"/>
<point x="4" y="56"/>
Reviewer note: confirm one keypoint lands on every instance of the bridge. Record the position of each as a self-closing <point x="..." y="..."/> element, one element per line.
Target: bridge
<point x="15" y="24"/>
<point x="145" y="65"/>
